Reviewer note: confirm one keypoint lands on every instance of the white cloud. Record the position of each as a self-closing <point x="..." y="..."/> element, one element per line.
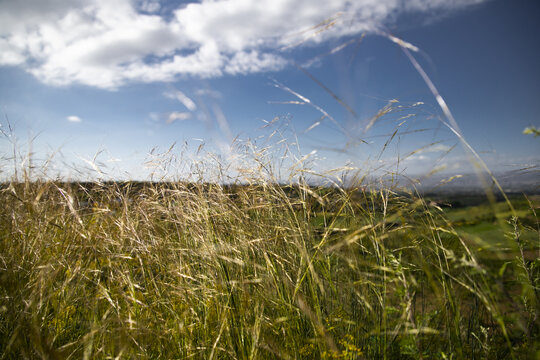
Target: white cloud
<point x="74" y="119"/>
<point x="416" y="158"/>
<point x="170" y="117"/>
<point x="180" y="116"/>
<point x="183" y="98"/>
<point x="107" y="44"/>
<point x="435" y="148"/>
<point x="244" y="63"/>
<point x="9" y="55"/>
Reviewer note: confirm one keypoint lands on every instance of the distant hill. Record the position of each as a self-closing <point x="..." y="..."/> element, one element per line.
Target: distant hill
<point x="526" y="181"/>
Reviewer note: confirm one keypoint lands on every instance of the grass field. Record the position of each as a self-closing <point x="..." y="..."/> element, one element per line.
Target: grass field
<point x="261" y="271"/>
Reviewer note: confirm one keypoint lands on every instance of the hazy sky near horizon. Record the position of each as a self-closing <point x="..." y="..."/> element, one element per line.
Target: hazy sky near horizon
<point x="104" y="82"/>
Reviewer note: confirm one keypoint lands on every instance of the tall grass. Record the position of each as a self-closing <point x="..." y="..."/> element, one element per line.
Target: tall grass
<point x="253" y="270"/>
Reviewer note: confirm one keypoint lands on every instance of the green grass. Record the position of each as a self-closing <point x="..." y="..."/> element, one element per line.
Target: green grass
<point x="187" y="270"/>
<point x="488" y="227"/>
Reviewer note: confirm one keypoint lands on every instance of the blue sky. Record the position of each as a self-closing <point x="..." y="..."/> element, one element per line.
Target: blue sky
<point x="108" y="84"/>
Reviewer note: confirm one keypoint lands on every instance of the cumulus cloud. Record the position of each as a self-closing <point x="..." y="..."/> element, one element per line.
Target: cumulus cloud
<point x="74" y="119"/>
<point x="107" y="44"/>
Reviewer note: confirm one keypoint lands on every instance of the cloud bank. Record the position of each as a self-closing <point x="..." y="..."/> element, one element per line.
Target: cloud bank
<point x="106" y="44"/>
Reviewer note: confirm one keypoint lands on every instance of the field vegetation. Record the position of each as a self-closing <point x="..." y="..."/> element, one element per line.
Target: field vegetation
<point x="256" y="270"/>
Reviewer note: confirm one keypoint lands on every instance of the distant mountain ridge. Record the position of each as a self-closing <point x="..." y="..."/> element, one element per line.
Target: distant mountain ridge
<point x="525" y="181"/>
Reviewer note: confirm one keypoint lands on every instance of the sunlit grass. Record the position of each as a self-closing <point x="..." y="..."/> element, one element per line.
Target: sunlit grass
<point x="209" y="270"/>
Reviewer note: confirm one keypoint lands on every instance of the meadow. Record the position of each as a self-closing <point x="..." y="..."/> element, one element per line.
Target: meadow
<point x="257" y="270"/>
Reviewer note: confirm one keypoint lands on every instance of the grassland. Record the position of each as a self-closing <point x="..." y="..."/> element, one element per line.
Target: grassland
<point x="261" y="271"/>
